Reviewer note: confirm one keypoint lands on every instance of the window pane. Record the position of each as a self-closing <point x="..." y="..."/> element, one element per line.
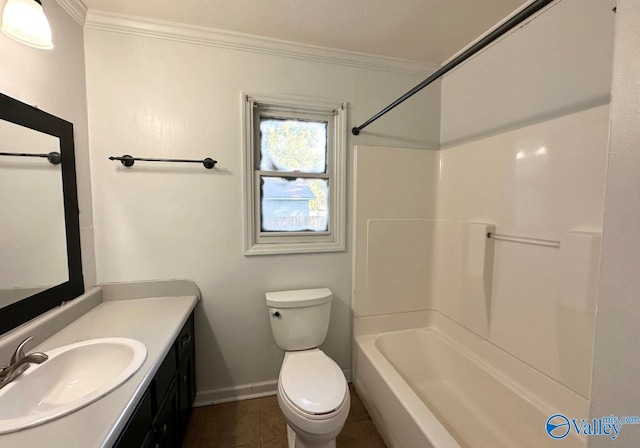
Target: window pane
<point x="293" y="145"/>
<point x="294" y="205"/>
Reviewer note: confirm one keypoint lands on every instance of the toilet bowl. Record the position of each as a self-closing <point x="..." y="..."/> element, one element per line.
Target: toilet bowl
<point x="312" y="391"/>
<point x="314" y="398"/>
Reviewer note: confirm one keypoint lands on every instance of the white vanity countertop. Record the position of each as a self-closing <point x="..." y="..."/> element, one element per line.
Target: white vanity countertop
<point x="155" y="322"/>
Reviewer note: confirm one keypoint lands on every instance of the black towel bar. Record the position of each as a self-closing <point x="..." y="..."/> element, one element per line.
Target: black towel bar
<point x="128" y="160"/>
<point x="53" y="157"/>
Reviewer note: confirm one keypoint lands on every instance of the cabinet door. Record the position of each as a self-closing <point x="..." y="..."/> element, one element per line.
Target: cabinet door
<point x="165" y="375"/>
<point x="186" y="337"/>
<point x="151" y="440"/>
<point x="186" y="387"/>
<point x="139" y="426"/>
<point x="166" y="423"/>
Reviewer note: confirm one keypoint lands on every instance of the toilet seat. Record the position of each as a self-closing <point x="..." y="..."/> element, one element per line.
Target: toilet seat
<point x="312" y="383"/>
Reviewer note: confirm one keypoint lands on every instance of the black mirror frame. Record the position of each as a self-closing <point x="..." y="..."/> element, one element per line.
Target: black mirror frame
<point x="27" y="309"/>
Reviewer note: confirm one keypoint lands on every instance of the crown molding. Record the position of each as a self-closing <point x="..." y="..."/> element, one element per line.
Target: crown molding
<point x="160" y="29"/>
<point x="75" y="8"/>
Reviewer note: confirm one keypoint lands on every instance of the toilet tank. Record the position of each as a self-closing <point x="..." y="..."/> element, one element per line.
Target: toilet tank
<point x="300" y="318"/>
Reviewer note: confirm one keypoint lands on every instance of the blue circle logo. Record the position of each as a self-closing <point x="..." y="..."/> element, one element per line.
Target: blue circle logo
<point x="558" y="426"/>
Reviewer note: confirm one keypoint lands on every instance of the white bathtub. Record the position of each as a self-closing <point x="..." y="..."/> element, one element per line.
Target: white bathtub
<point x="425" y="390"/>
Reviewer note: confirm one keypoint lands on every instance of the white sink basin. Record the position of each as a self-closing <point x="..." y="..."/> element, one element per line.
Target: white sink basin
<point x="73" y="377"/>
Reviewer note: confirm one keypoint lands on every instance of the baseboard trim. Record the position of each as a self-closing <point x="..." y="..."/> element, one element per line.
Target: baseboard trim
<point x="236" y="393"/>
<point x="242" y="392"/>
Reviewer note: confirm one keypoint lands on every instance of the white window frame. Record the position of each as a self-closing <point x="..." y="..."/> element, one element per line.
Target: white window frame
<point x="258" y="242"/>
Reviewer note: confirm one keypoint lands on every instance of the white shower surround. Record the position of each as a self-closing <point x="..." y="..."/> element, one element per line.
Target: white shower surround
<point x="412" y="262"/>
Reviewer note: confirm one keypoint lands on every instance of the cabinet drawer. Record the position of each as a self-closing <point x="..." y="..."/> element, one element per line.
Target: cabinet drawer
<point x="186" y="337"/>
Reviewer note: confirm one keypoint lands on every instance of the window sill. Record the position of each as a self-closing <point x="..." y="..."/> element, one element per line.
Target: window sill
<point x="295" y="248"/>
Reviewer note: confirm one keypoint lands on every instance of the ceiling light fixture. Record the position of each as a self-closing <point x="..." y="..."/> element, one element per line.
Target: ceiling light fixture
<point x="24" y="21"/>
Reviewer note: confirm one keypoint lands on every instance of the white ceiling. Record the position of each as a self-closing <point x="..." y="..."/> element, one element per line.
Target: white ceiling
<point x="422" y="30"/>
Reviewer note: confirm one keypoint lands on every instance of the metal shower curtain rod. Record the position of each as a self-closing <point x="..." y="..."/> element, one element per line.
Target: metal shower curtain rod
<point x="507" y="26"/>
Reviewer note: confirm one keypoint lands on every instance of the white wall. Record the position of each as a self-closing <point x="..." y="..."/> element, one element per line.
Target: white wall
<point x="616" y="369"/>
<point x="54" y="81"/>
<point x="557" y="64"/>
<point x="168" y="97"/>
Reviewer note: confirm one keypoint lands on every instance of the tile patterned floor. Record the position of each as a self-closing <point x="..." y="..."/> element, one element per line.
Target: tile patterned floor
<point x="259" y="423"/>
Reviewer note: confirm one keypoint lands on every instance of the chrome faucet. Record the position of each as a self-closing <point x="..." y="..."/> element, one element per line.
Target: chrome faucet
<point x="19" y="363"/>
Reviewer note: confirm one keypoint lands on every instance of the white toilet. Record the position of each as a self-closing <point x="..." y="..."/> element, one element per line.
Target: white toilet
<point x="312" y="390"/>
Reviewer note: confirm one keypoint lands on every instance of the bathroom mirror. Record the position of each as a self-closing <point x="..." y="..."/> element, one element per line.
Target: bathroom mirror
<point x="40" y="266"/>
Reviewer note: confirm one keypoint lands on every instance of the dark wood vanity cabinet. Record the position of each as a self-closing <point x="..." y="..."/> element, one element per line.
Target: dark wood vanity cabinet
<point x="162" y="416"/>
<point x="186" y="379"/>
<point x="165" y="426"/>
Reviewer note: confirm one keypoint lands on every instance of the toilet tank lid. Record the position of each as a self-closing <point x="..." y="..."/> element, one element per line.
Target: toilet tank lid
<point x="299" y="298"/>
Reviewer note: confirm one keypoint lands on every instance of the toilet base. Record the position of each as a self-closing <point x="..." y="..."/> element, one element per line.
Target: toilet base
<point x="295" y="442"/>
